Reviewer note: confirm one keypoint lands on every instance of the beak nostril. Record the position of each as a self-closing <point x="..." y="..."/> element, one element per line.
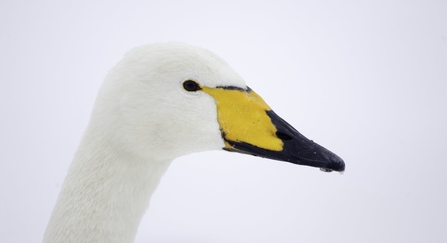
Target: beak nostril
<point x="283" y="136"/>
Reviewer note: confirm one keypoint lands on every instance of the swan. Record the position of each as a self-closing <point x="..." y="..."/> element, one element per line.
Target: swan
<point x="162" y="101"/>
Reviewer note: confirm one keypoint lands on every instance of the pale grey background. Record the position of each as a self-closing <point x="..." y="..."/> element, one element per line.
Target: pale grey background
<point x="366" y="79"/>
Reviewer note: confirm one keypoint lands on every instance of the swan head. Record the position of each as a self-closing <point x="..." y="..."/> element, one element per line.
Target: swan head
<point x="166" y="100"/>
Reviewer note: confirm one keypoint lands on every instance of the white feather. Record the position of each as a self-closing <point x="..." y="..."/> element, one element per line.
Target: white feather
<point x="141" y="121"/>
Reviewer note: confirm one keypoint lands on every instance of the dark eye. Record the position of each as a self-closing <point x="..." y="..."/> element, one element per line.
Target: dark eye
<point x="190" y="85"/>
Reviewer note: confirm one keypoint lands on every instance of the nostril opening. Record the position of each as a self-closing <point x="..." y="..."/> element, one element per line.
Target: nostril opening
<point x="283" y="136"/>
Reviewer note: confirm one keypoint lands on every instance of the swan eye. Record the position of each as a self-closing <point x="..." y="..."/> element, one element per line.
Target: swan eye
<point x="190" y="85"/>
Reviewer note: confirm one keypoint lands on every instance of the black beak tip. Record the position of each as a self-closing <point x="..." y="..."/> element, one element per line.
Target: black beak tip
<point x="335" y="163"/>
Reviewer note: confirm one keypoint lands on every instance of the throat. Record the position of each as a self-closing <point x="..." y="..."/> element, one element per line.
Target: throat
<point x="104" y="196"/>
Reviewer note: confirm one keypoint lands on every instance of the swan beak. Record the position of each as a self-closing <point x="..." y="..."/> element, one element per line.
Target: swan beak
<point x="249" y="126"/>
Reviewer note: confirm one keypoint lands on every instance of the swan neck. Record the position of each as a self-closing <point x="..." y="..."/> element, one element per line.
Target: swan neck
<point x="104" y="195"/>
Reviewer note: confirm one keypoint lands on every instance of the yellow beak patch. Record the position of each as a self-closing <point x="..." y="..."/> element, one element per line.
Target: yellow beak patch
<point x="242" y="118"/>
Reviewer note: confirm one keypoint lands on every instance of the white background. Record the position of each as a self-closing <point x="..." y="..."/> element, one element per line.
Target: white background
<point x="366" y="79"/>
